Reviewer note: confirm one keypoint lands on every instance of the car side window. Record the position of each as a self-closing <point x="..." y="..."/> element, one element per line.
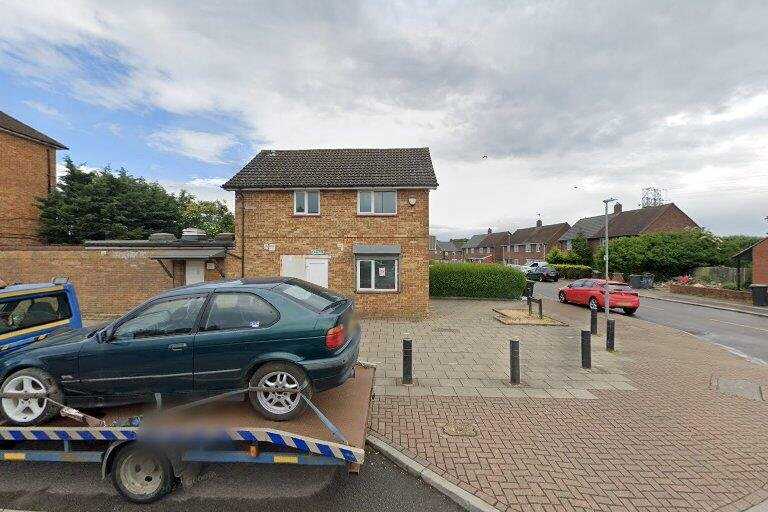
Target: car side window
<point x="166" y="318"/>
<point x="577" y="284"/>
<point x="239" y="311"/>
<point x="31" y="312"/>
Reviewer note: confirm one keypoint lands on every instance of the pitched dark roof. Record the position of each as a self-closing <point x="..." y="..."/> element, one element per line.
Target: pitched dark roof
<point x="16" y="127"/>
<point x="537" y="234"/>
<point x="475" y="241"/>
<point x="337" y="168"/>
<point x="586" y="227"/>
<point x="496" y="239"/>
<point x="633" y="222"/>
<point x="446" y="246"/>
<point x="748" y="250"/>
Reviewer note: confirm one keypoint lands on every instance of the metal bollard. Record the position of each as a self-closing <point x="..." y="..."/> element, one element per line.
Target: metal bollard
<point x="593" y="321"/>
<point x="530" y="309"/>
<point x="586" y="349"/>
<point x="610" y="330"/>
<point x="514" y="361"/>
<point x="407" y="361"/>
<point x="541" y="310"/>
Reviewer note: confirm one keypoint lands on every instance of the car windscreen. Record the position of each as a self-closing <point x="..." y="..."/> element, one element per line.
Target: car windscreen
<point x="308" y="294"/>
<point x="619" y="287"/>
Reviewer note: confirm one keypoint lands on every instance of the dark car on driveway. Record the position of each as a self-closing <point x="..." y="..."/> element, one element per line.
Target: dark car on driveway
<point x="542" y="273"/>
<point x="199" y="340"/>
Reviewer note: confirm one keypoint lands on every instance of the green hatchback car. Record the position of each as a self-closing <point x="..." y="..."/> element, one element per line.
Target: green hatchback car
<point x="195" y="341"/>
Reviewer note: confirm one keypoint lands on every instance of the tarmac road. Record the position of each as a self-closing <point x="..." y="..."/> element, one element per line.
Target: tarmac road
<point x="742" y="334"/>
<point x="380" y="486"/>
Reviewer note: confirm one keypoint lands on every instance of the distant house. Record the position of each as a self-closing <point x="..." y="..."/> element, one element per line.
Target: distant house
<point x="531" y="244"/>
<point x="758" y="255"/>
<point x="448" y="251"/>
<point x="651" y="219"/>
<point x="354" y="220"/>
<point x="495" y="245"/>
<point x="473" y="250"/>
<point x="27" y="172"/>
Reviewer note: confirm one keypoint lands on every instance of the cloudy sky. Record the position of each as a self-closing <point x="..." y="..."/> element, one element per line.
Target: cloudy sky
<point x="570" y="101"/>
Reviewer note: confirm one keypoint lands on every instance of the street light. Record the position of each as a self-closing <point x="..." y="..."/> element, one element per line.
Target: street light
<point x="607" y="297"/>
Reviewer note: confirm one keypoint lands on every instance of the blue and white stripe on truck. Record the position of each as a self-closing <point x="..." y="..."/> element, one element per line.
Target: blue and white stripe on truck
<point x="276" y="437"/>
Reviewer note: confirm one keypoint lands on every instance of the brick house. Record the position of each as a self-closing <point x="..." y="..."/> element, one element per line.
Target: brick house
<point x="651" y="219"/>
<point x="472" y="250"/>
<point x="355" y="220"/>
<point x="531" y="244"/>
<point x="448" y="251"/>
<point x="27" y="172"/>
<point x="493" y="246"/>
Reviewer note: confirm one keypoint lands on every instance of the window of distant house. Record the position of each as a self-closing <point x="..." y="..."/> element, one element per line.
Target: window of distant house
<point x="378" y="274"/>
<point x="306" y="202"/>
<point x="377" y="202"/>
<point x="519" y="248"/>
<point x="527" y="247"/>
<point x="568" y="245"/>
<point x="517" y="262"/>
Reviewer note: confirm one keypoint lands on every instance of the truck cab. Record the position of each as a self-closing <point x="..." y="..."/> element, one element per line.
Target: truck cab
<point x="31" y="311"/>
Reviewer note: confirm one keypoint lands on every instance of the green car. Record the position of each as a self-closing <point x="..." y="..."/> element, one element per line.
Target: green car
<point x="195" y="341"/>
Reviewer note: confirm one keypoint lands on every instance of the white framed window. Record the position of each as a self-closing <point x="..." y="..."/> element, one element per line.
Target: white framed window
<point x="519" y="248"/>
<point x="377" y="202"/>
<point x="527" y="247"/>
<point x="377" y="274"/>
<point x="306" y="202"/>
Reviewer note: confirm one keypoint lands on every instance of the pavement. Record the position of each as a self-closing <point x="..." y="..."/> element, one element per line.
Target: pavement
<point x="743" y="334"/>
<point x="674" y="442"/>
<point x="380" y="486"/>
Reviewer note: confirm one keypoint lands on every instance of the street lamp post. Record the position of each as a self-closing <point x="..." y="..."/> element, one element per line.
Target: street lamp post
<point x="607" y="296"/>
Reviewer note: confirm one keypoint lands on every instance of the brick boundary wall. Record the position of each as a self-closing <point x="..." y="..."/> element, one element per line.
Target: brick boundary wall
<point x="108" y="283"/>
<point x="713" y="293"/>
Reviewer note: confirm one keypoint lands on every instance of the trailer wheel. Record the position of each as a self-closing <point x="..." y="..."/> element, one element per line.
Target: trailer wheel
<point x="142" y="475"/>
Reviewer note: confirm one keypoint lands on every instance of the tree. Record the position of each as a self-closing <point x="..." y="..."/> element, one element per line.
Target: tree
<point x="580" y="247"/>
<point x="106" y="205"/>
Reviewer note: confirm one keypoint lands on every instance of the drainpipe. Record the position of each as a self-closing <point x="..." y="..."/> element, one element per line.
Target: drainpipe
<point x="242" y="235"/>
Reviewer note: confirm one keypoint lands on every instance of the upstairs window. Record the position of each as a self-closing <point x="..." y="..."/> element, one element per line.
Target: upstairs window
<point x="377" y="202"/>
<point x="306" y="202"/>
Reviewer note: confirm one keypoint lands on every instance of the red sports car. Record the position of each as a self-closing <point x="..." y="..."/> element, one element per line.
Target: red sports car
<point x="591" y="292"/>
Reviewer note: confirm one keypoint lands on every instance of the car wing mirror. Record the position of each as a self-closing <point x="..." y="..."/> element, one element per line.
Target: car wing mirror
<point x="105" y="334"/>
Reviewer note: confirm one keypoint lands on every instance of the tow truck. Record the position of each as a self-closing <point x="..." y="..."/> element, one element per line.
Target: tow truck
<point x="144" y="450"/>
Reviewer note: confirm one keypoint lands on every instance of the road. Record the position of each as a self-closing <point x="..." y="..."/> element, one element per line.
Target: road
<point x="742" y="334"/>
<point x="380" y="486"/>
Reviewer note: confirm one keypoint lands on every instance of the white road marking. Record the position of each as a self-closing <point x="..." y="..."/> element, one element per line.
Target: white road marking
<point x="645" y="306"/>
<point x="739" y="353"/>
<point x="740" y="325"/>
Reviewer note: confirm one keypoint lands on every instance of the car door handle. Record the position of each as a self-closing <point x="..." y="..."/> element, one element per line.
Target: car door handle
<point x="177" y="346"/>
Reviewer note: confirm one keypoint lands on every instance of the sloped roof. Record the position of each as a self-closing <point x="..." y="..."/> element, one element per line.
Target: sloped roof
<point x="475" y="241"/>
<point x="748" y="250"/>
<point x="16" y="127"/>
<point x="337" y="168"/>
<point x="537" y="234"/>
<point x="447" y="246"/>
<point x="496" y="239"/>
<point x="633" y="222"/>
<point x="587" y="227"/>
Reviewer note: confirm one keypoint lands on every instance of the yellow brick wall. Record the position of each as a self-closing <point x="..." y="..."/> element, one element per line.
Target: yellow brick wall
<point x="26" y="170"/>
<point x="269" y="219"/>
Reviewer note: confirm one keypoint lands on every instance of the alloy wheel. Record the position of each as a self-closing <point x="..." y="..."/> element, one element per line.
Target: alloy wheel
<point x="279" y="402"/>
<point x="23" y="410"/>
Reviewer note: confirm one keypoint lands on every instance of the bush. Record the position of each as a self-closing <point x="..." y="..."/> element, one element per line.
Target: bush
<point x="475" y="280"/>
<point x="573" y="271"/>
<point x="558" y="257"/>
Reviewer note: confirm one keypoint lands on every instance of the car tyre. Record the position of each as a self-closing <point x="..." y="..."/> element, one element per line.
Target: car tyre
<point x="280" y="406"/>
<point x="562" y="298"/>
<point x="629" y="311"/>
<point x="593" y="305"/>
<point x="142" y="475"/>
<point x="30" y="412"/>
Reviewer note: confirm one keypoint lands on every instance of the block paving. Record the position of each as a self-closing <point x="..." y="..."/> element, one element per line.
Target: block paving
<point x="671" y="443"/>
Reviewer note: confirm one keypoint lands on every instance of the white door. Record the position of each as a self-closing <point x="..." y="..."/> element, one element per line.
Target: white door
<point x="317" y="271"/>
<point x="195" y="272"/>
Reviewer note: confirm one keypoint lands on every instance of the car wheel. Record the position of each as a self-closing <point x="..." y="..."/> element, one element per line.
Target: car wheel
<point x="28" y="412"/>
<point x="142" y="475"/>
<point x="280" y="405"/>
<point x="593" y="305"/>
<point x="629" y="311"/>
<point x="562" y="298"/>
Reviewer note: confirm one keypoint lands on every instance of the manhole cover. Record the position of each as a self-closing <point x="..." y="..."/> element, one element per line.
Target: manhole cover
<point x="739" y="387"/>
<point x="460" y="430"/>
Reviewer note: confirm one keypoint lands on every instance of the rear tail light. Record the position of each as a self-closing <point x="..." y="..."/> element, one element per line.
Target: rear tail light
<point x="334" y="338"/>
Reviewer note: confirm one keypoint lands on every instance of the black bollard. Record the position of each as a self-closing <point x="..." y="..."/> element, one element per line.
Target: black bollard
<point x="407" y="361"/>
<point x="541" y="310"/>
<point x="586" y="349"/>
<point x="514" y="361"/>
<point x="530" y="310"/>
<point x="593" y="321"/>
<point x="610" y="329"/>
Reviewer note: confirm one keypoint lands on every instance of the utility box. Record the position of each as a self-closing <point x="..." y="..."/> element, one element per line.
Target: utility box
<point x="641" y="281"/>
<point x="759" y="294"/>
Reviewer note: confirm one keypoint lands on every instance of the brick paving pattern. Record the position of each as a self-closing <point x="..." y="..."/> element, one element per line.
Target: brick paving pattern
<point x="462" y="350"/>
<point x="673" y="443"/>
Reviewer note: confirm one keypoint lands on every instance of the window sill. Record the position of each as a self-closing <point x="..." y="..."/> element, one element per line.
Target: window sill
<point x="306" y="214"/>
<point x="377" y="214"/>
<point x="378" y="291"/>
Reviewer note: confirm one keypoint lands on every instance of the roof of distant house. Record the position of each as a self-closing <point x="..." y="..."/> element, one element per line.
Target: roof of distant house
<point x="587" y="227"/>
<point x="336" y="168"/>
<point x="475" y="241"/>
<point x="634" y="222"/>
<point x="537" y="234"/>
<point x="447" y="246"/>
<point x="495" y="239"/>
<point x="12" y="125"/>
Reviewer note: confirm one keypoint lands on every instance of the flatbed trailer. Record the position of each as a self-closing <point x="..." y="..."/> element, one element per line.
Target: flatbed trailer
<point x="144" y="462"/>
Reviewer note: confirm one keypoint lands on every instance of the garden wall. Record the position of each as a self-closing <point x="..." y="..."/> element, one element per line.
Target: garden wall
<point x="712" y="293"/>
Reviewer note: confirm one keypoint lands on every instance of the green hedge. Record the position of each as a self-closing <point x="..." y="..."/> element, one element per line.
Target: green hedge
<point x="573" y="271"/>
<point x="476" y="280"/>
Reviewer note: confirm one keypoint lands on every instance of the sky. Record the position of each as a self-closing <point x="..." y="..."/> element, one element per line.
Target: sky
<point x="530" y="109"/>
